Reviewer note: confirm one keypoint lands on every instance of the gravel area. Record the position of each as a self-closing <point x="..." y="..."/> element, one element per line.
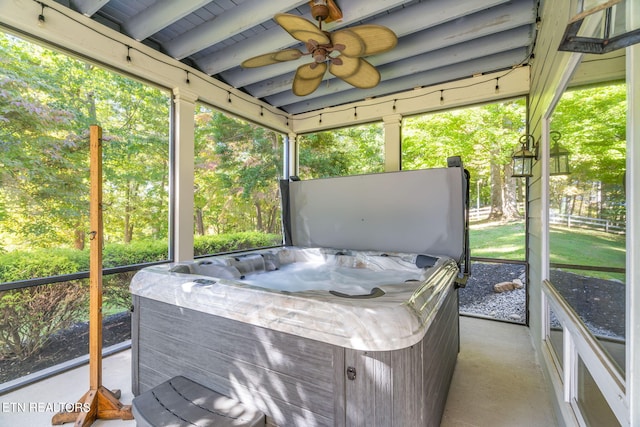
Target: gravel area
<point x="478" y="297"/>
<point x="599" y="303"/>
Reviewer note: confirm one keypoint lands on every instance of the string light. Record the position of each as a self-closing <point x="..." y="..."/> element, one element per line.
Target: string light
<point x="188" y="81"/>
<point x="41" y="19"/>
<point x="229" y="97"/>
<point x="261" y="111"/>
<point x="213" y="82"/>
<point x="498" y="85"/>
<point x="394" y="104"/>
<point x="355" y="112"/>
<point x="320" y="120"/>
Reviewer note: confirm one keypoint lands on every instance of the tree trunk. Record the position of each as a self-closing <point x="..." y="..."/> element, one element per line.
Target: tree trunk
<point x="128" y="211"/>
<point x="258" y="216"/>
<point x="79" y="239"/>
<point x="199" y="222"/>
<point x="510" y="200"/>
<point x="496" y="190"/>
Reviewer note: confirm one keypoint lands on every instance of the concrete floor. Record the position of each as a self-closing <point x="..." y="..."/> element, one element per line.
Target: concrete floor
<point x="497" y="382"/>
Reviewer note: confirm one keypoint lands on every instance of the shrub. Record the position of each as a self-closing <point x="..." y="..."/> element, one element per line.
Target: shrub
<point x="115" y="289"/>
<point x="28" y="317"/>
<point x="23" y="265"/>
<point x="117" y="254"/>
<point x="205" y="245"/>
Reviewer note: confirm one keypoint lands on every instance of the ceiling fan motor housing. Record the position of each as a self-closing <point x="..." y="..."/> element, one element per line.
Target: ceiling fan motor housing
<point x="320" y="10"/>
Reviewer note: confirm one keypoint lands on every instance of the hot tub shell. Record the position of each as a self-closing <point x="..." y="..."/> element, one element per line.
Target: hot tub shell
<point x="315" y="357"/>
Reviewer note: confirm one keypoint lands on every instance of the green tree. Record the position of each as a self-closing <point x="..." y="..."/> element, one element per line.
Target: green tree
<point x="339" y="152"/>
<point x="237" y="168"/>
<point x="47" y="102"/>
<point x="41" y="156"/>
<point x="592" y="126"/>
<point x="483" y="136"/>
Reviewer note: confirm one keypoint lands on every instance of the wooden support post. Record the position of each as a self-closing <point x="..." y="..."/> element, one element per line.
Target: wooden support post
<point x="98" y="402"/>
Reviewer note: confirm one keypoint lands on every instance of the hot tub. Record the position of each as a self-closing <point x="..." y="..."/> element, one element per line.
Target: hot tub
<point x="363" y="334"/>
<point x="308" y="336"/>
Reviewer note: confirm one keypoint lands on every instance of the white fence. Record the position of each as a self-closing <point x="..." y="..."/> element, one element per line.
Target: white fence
<point x="605" y="225"/>
<point x="483" y="213"/>
<point x="477" y="214"/>
<point x="570" y="221"/>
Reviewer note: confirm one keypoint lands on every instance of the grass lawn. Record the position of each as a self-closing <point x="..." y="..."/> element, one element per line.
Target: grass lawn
<point x="587" y="247"/>
<point x="497" y="240"/>
<point x="567" y="245"/>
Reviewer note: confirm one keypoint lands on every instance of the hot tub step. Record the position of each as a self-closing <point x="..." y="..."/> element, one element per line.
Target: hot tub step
<point x="181" y="402"/>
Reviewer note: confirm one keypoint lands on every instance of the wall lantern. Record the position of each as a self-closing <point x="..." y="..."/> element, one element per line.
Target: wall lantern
<point x="600" y="27"/>
<point x="558" y="156"/>
<point x="522" y="160"/>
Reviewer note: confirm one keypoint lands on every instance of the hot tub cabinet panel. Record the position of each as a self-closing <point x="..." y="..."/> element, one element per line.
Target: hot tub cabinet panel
<point x="298" y="381"/>
<point x="406" y="387"/>
<point x="287" y="377"/>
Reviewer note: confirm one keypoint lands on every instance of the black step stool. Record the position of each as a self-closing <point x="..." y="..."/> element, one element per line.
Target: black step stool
<point x="180" y="402"/>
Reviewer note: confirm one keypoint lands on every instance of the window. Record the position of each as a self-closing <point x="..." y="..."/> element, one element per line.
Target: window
<point x="48" y="101"/>
<point x="587" y="212"/>
<point x="342" y="152"/>
<point x="484" y="137"/>
<point x="237" y="168"/>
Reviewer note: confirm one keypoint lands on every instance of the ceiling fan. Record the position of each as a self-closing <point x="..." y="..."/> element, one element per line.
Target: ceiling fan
<point x="340" y="52"/>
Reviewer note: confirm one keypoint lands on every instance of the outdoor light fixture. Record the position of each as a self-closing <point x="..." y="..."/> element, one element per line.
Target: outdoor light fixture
<point x="600" y="27"/>
<point x="523" y="158"/>
<point x="558" y="156"/>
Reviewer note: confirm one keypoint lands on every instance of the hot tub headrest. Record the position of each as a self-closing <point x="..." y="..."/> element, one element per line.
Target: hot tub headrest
<point x="253" y="263"/>
<point x="207" y="268"/>
<point x="426" y="261"/>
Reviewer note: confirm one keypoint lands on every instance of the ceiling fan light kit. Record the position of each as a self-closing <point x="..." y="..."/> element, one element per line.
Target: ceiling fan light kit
<point x="341" y="52"/>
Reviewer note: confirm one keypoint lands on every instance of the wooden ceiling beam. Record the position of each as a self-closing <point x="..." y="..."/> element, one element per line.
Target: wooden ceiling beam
<point x="237" y="19"/>
<point x="160" y="15"/>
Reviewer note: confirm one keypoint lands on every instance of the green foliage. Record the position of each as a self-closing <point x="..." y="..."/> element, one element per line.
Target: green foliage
<point x="237" y="167"/>
<point x="137" y="252"/>
<point x="484" y="137"/>
<point x="205" y="245"/>
<point x="342" y="152"/>
<point x="24" y="265"/>
<point x="28" y="317"/>
<point x="47" y="102"/>
<point x="592" y="125"/>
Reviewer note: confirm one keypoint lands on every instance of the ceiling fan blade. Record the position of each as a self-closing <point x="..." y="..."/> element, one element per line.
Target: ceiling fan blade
<point x="308" y="78"/>
<point x="355" y="71"/>
<point x="301" y="29"/>
<point x="364" y="40"/>
<point x="272" y="58"/>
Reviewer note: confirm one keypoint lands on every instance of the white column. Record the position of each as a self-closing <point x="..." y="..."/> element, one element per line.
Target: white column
<point x="292" y="157"/>
<point x="183" y="163"/>
<point x="392" y="142"/>
<point x="633" y="222"/>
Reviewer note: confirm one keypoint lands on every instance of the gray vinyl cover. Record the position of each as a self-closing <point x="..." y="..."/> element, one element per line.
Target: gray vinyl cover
<point x="419" y="211"/>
